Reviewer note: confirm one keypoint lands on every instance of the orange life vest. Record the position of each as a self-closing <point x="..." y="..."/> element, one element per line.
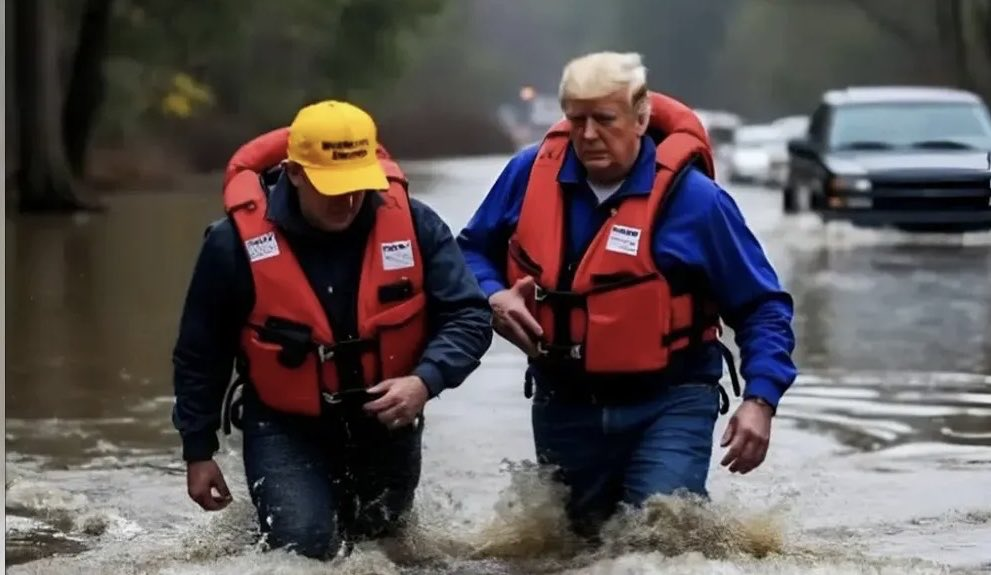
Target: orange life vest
<point x="287" y="342"/>
<point x="618" y="314"/>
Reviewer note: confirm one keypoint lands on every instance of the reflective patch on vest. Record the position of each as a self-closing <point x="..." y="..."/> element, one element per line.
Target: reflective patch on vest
<point x="397" y="255"/>
<point x="262" y="247"/>
<point x="623" y="240"/>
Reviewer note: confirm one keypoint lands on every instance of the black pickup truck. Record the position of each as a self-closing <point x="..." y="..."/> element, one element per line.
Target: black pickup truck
<point x="914" y="158"/>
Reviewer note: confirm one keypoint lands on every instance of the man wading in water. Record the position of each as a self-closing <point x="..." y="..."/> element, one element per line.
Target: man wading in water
<point x="347" y="305"/>
<point x="609" y="256"/>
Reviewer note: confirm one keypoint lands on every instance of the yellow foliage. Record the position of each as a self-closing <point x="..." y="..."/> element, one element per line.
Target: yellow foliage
<point x="185" y="96"/>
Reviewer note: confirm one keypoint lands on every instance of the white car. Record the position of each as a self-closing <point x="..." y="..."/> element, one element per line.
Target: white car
<point x="750" y="160"/>
<point x="721" y="127"/>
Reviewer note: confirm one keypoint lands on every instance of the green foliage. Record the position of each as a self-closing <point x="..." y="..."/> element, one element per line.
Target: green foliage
<point x="251" y="63"/>
<point x="206" y="75"/>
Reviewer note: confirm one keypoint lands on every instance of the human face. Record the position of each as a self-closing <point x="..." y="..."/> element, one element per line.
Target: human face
<point x="327" y="213"/>
<point x="605" y="133"/>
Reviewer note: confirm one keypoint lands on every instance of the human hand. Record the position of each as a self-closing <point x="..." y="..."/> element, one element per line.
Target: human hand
<point x="511" y="318"/>
<point x="202" y="478"/>
<point x="403" y="400"/>
<point x="747" y="435"/>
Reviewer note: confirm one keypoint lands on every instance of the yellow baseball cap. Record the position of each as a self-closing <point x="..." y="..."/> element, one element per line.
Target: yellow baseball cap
<point x="335" y="143"/>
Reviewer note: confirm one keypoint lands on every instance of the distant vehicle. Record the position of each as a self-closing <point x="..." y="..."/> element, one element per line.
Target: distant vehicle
<point x="527" y="120"/>
<point x="909" y="157"/>
<point x="750" y="158"/>
<point x="788" y="128"/>
<point x="721" y="127"/>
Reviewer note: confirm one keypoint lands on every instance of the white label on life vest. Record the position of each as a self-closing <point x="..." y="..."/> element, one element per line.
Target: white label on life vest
<point x="623" y="240"/>
<point x="262" y="247"/>
<point x="397" y="255"/>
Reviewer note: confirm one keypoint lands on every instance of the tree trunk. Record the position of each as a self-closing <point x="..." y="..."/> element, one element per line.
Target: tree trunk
<point x="86" y="85"/>
<point x="977" y="21"/>
<point x="45" y="179"/>
<point x="952" y="35"/>
<point x="983" y="20"/>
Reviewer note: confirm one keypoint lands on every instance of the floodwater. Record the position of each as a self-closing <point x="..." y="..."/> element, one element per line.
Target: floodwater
<point x="880" y="459"/>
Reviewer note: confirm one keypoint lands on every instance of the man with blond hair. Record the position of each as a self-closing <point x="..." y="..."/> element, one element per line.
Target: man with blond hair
<point x="611" y="258"/>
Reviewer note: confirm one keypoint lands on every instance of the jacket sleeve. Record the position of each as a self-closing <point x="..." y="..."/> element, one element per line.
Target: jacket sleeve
<point x="460" y="320"/>
<point x="751" y="298"/>
<point x="485" y="238"/>
<point x="216" y="306"/>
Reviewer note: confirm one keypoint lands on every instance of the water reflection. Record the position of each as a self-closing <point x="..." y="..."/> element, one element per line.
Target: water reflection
<point x="914" y="308"/>
<point x="92" y="310"/>
<point x="874" y="411"/>
<point x="894" y="344"/>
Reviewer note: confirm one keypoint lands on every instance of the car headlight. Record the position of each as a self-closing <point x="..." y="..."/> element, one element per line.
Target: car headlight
<point x="850" y="184"/>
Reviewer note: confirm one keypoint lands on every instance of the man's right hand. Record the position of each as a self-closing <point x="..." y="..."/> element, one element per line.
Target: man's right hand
<point x="202" y="477"/>
<point x="511" y="318"/>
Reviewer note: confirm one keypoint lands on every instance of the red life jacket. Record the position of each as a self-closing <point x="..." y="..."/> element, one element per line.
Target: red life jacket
<point x="618" y="314"/>
<point x="288" y="342"/>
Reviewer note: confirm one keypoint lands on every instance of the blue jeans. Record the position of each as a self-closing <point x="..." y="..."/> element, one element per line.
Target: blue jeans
<point x="613" y="453"/>
<point x="317" y="482"/>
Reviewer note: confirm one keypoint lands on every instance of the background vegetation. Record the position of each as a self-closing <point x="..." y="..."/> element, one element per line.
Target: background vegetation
<point x="131" y="94"/>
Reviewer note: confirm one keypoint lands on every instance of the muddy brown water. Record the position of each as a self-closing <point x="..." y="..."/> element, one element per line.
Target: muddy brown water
<point x="880" y="459"/>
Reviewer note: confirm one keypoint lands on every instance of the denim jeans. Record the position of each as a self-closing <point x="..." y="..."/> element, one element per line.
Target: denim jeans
<point x="612" y="453"/>
<point x="317" y="482"/>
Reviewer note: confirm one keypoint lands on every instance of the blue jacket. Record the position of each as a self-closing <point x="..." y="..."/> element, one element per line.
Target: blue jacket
<point x="221" y="295"/>
<point x="702" y="230"/>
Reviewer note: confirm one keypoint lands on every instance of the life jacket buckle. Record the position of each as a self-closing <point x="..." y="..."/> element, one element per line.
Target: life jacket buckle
<point x="325" y="353"/>
<point x="575" y="351"/>
<point x="539" y="293"/>
<point x="353" y="396"/>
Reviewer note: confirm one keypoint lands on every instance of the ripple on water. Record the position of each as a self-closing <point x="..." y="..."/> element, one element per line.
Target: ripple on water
<point x="869" y="411"/>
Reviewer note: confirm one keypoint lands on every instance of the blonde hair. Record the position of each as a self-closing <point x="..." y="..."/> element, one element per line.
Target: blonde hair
<point x="602" y="73"/>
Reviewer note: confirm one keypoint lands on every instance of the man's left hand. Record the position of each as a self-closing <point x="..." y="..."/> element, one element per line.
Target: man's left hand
<point x="403" y="400"/>
<point x="747" y="435"/>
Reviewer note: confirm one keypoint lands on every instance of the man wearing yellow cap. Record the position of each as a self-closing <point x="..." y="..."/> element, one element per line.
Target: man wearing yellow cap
<point x="343" y="305"/>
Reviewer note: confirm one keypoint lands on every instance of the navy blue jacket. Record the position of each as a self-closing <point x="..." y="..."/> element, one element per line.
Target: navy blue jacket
<point x="221" y="295"/>
<point x="702" y="234"/>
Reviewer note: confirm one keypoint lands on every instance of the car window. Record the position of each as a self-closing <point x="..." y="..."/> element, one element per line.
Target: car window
<point x="911" y="124"/>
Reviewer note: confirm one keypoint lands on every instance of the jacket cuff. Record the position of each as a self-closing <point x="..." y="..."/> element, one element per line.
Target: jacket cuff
<point x="490" y="287"/>
<point x="432" y="378"/>
<point x="199" y="446"/>
<point x="764" y="389"/>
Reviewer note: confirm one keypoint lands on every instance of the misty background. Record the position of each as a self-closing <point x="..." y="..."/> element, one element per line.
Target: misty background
<point x="136" y="94"/>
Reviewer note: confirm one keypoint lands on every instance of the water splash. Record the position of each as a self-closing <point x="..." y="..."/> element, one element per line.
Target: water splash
<point x="674" y="525"/>
<point x="525" y="533"/>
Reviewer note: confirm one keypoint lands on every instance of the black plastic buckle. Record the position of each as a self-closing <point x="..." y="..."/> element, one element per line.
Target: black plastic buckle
<point x="576" y="351"/>
<point x="539" y="293"/>
<point x="327" y="353"/>
<point x="353" y="396"/>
